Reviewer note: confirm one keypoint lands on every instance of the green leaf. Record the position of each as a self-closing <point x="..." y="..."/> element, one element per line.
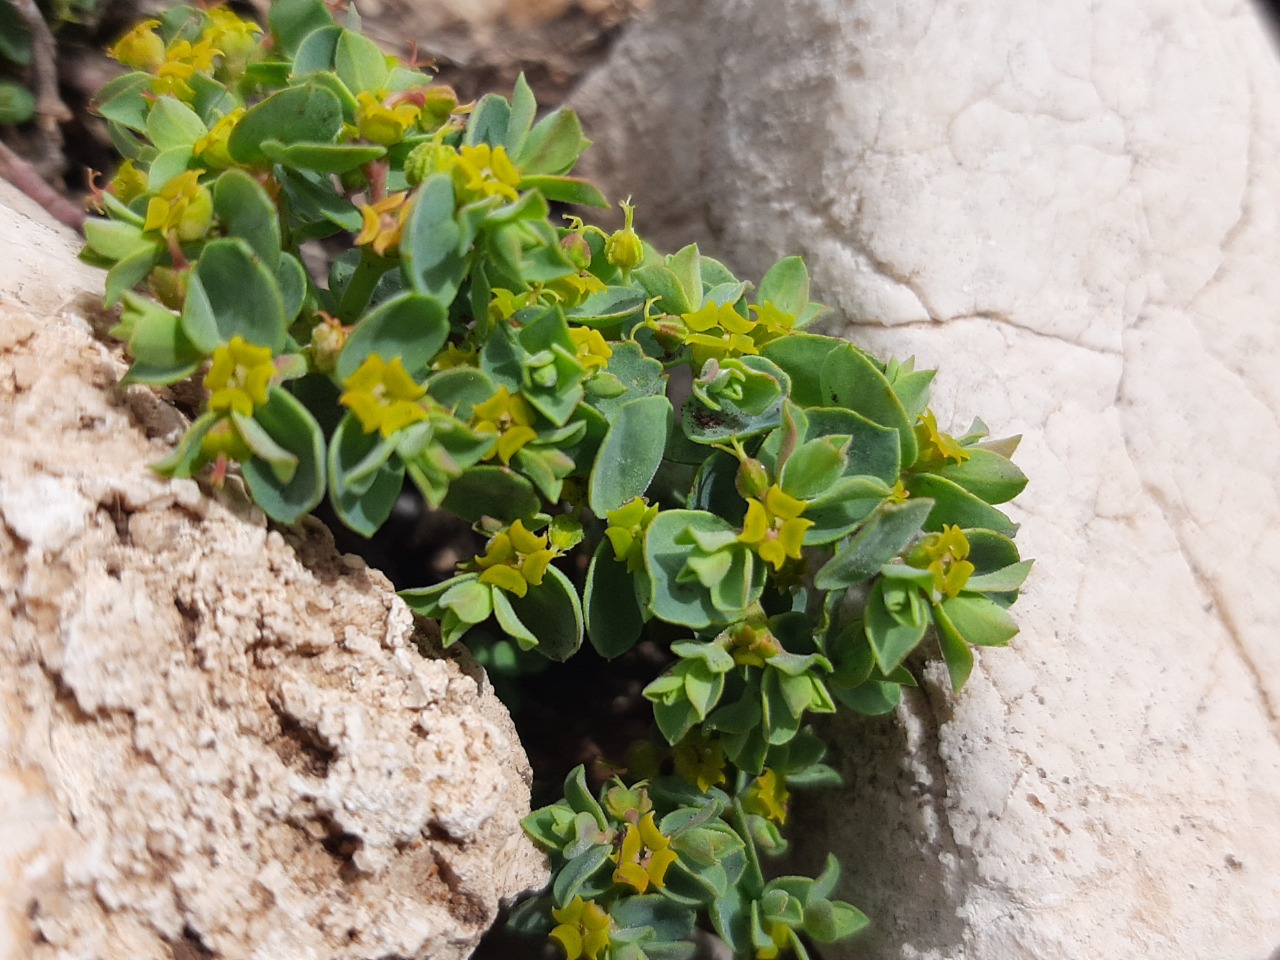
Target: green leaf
<point x="185" y="459"/>
<point x="980" y="621"/>
<point x="549" y="612"/>
<point x="851" y="379"/>
<point x="873" y="449"/>
<point x="167" y="165"/>
<point x="162" y="353"/>
<point x="412" y="326"/>
<point x="828" y="921"/>
<point x="497" y="492"/>
<point x="316" y="52"/>
<point x="429" y="244"/>
<point x="131" y="271"/>
<point x="1003" y="580"/>
<point x="842" y="507"/>
<point x="872" y="698"/>
<point x="892" y="634"/>
<point x="248" y="212"/>
<point x="292" y="20"/>
<point x="614" y="619"/>
<point x="124" y="100"/>
<point x="887" y="532"/>
<point x="290" y="424"/>
<point x="802" y="355"/>
<point x="524" y="108"/>
<point x="565" y="190"/>
<point x="631" y="452"/>
<point x="172" y="124"/>
<point x="584" y="875"/>
<point x="115" y="240"/>
<point x="952" y="504"/>
<point x="686" y="601"/>
<point x="322" y="157"/>
<point x="313" y="203"/>
<point x="359" y="63"/>
<point x="553" y="145"/>
<point x="702" y="686"/>
<point x="814" y="466"/>
<point x="786" y="286"/>
<point x="264" y="447"/>
<point x="241" y="295"/>
<point x="985" y="474"/>
<point x="489" y="122"/>
<point x="955" y="651"/>
<point x="661" y="284"/>
<point x="364" y="505"/>
<point x="309" y="114"/>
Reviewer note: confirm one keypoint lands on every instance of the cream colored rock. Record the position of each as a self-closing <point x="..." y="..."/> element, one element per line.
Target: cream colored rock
<point x="1072" y="211"/>
<point x="217" y="738"/>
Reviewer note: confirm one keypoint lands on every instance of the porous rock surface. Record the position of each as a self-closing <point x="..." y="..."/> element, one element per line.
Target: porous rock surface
<point x="217" y="739"/>
<point x="1072" y="211"/>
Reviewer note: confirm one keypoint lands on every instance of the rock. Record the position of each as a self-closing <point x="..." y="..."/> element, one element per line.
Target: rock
<point x="1072" y="213"/>
<point x="219" y="738"/>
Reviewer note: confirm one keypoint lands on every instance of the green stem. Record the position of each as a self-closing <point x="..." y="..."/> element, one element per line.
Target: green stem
<point x="754" y="875"/>
<point x="355" y="297"/>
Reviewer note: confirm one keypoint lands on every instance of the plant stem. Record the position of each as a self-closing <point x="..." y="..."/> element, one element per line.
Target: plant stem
<point x="755" y="875"/>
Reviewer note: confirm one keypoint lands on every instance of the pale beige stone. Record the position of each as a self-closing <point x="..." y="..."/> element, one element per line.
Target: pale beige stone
<point x="1072" y="211"/>
<point x="213" y="733"/>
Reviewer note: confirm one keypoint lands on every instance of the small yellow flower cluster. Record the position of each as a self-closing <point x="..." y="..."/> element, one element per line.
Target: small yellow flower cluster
<point x="752" y="645"/>
<point x="773" y="527"/>
<point x="515" y="559"/>
<point x="583" y="929"/>
<point x="945" y="555"/>
<point x="644" y="857"/>
<point x="128" y="184"/>
<point x="699" y="761"/>
<point x="624" y="248"/>
<point x="225" y="37"/>
<point x="510" y="417"/>
<point x="183" y="208"/>
<point x="383" y="396"/>
<point x="626" y="529"/>
<point x="386" y="118"/>
<point x="768" y="796"/>
<point x="936" y="446"/>
<point x="593" y="351"/>
<point x="719" y="331"/>
<point x="382" y="223"/>
<point x="212" y="147"/>
<point x="239" y="377"/>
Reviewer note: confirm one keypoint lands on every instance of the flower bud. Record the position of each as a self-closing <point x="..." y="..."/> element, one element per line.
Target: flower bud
<point x="752" y="479"/>
<point x="623" y="248"/>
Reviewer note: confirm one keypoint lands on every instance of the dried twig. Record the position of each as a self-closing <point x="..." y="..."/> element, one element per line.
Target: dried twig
<point x="44" y="60"/>
<point x="23" y="176"/>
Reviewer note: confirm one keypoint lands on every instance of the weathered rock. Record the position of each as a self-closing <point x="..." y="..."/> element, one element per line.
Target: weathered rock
<point x="219" y="739"/>
<point x="1073" y="213"/>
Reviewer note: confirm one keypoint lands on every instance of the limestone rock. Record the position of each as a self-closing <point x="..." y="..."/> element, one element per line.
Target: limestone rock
<point x="1072" y="211"/>
<point x="218" y="738"/>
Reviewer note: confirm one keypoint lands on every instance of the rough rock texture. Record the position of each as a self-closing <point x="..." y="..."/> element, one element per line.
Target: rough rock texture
<point x="218" y="739"/>
<point x="1072" y="210"/>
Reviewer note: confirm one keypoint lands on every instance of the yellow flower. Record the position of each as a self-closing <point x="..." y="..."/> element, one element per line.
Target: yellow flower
<point x="141" y="48"/>
<point x="717" y="331"/>
<point x="510" y="417"/>
<point x="945" y="556"/>
<point x="515" y="559"/>
<point x="644" y="856"/>
<point x="223" y="441"/>
<point x="235" y="37"/>
<point x="239" y="377"/>
<point x="780" y="935"/>
<point x="483" y="171"/>
<point x="383" y="396"/>
<point x="592" y="349"/>
<point x="767" y="796"/>
<point x="212" y="147"/>
<point x="383" y="223"/>
<point x="699" y="760"/>
<point x="456" y="356"/>
<point x="386" y="121"/>
<point x="183" y="208"/>
<point x="774" y="528"/>
<point x="752" y="645"/>
<point x="626" y="529"/>
<point x="182" y="61"/>
<point x="583" y="929"/>
<point x="936" y="446"/>
<point x="129" y="183"/>
<point x="770" y="323"/>
<point x="571" y="289"/>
